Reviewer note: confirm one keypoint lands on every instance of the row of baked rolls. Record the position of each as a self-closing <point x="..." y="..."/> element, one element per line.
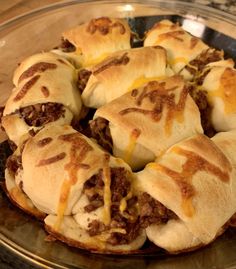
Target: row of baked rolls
<point x="45" y="91"/>
<point x="86" y="193"/>
<point x="121" y="72"/>
<point x="186" y="54"/>
<point x="91" y="200"/>
<point x="213" y="79"/>
<point x="46" y="83"/>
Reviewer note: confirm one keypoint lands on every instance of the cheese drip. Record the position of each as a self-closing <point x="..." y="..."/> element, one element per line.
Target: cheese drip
<point x="178" y="60"/>
<point x="75" y="163"/>
<point x="131" y="145"/>
<point x="226" y="91"/>
<point x="65" y="191"/>
<point x="107" y="191"/>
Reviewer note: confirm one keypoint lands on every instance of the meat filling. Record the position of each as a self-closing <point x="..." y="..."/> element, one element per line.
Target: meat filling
<point x="127" y="220"/>
<point x="207" y="56"/>
<point x="41" y="114"/>
<point x="13" y="164"/>
<point x="201" y="100"/>
<point x="66" y="46"/>
<point x="83" y="78"/>
<point x="101" y="132"/>
<point x="153" y="212"/>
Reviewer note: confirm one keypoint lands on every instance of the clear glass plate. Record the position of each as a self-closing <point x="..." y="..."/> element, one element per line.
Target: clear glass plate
<point x="41" y="30"/>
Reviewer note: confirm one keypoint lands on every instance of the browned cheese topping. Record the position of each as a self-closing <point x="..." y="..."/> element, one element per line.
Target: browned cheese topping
<point x="36" y="68"/>
<point x="197" y="65"/>
<point x="177" y="35"/>
<point x="193" y="42"/>
<point x="53" y="159"/>
<point x="45" y="141"/>
<point x="45" y="91"/>
<point x="120" y="187"/>
<point x="27" y="86"/>
<point x="41" y="114"/>
<point x="193" y="164"/>
<point x="159" y="97"/>
<point x="104" y="26"/>
<point x="83" y="78"/>
<point x="123" y="60"/>
<point x="76" y="159"/>
<point x="152" y="211"/>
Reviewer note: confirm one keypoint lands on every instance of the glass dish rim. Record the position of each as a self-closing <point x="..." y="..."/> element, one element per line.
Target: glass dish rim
<point x="227" y="17"/>
<point x="8" y="23"/>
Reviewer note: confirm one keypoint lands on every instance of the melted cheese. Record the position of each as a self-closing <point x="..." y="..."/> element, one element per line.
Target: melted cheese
<point x="143" y="80"/>
<point x="226" y="91"/>
<point x="187" y="203"/>
<point x="123" y="202"/>
<point x="178" y="60"/>
<point x="187" y="206"/>
<point x="89" y="61"/>
<point x="107" y="195"/>
<point x="130" y="147"/>
<point x="65" y="191"/>
<point x="20" y="198"/>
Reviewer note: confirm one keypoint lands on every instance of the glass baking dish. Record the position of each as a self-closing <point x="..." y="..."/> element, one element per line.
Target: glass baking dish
<point x="41" y="30"/>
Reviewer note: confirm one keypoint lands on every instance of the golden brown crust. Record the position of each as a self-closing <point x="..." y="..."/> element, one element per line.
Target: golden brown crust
<point x="91" y="248"/>
<point x="98" y="38"/>
<point x="34" y="212"/>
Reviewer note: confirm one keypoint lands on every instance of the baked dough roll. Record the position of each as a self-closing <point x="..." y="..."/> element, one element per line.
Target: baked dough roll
<point x="122" y="72"/>
<point x="13" y="185"/>
<point x="220" y="84"/>
<point x="66" y="175"/>
<point x="187" y="195"/>
<point x="90" y="42"/>
<point x="45" y="92"/>
<point x="141" y="124"/>
<point x="181" y="47"/>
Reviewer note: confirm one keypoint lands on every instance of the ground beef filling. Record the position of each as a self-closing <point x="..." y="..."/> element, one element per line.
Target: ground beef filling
<point x="201" y="100"/>
<point x="153" y="212"/>
<point x="127" y="220"/>
<point x="101" y="132"/>
<point x="13" y="164"/>
<point x="207" y="56"/>
<point x="41" y="114"/>
<point x="83" y="78"/>
<point x="66" y="46"/>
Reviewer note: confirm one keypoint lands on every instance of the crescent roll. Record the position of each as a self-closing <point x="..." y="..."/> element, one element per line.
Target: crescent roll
<point x="87" y="193"/>
<point x="141" y="124"/>
<point x="90" y="42"/>
<point x="45" y="91"/>
<point x="122" y="72"/>
<point x="220" y="84"/>
<point x="181" y="47"/>
<point x="188" y="194"/>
